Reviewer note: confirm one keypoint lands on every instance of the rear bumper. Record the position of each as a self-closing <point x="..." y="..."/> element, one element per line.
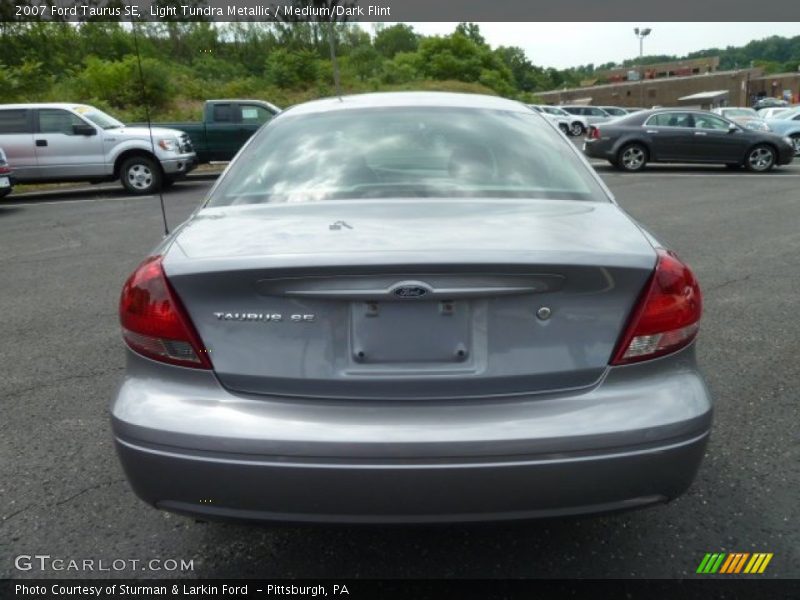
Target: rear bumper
<point x="187" y="445"/>
<point x="272" y="488"/>
<point x="598" y="149"/>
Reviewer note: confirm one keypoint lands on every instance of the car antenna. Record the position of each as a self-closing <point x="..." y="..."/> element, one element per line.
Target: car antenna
<point x="334" y="60"/>
<point x="149" y="124"/>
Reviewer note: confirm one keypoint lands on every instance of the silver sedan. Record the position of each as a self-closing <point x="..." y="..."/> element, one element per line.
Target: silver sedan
<point x="410" y="307"/>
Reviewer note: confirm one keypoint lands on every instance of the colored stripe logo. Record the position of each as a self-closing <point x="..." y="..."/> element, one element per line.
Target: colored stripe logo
<point x="734" y="563"/>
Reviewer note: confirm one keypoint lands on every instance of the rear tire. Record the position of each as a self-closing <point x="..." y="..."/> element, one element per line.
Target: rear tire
<point x="760" y="158"/>
<point x="632" y="157"/>
<point x="564" y="127"/>
<point x="140" y="175"/>
<point x="5" y="192"/>
<point x="577" y="129"/>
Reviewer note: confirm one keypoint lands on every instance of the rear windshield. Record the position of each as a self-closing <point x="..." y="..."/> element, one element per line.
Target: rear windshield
<point x="406" y="153"/>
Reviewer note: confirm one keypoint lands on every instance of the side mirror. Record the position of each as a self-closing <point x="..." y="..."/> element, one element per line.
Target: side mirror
<point x="732" y="127"/>
<point x="84" y="130"/>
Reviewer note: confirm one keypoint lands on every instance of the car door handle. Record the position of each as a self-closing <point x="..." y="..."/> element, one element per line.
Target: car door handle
<point x="652" y="131"/>
<point x="700" y="133"/>
<point x="41" y="143"/>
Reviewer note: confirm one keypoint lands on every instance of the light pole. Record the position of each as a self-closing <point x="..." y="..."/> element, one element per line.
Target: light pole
<point x="641" y="34"/>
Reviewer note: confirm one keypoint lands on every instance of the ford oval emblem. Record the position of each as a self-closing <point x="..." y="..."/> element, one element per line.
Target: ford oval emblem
<point x="410" y="291"/>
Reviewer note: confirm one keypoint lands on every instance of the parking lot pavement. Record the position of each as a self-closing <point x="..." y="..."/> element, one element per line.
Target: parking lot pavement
<point x="64" y="260"/>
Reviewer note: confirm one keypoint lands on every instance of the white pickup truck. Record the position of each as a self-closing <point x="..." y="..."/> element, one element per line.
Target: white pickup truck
<point x="57" y="142"/>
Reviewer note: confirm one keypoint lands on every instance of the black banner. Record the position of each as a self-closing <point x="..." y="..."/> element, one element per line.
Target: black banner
<point x="398" y="10"/>
<point x="356" y="589"/>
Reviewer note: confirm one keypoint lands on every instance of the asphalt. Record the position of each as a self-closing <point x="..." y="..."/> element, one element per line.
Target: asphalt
<point x="64" y="256"/>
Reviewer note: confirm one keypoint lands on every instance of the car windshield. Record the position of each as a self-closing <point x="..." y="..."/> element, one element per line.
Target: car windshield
<point x="739" y="112"/>
<point x="98" y="117"/>
<point x="410" y="152"/>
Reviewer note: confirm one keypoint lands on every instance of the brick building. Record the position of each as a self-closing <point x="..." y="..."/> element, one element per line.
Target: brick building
<point x="676" y="68"/>
<point x="665" y="91"/>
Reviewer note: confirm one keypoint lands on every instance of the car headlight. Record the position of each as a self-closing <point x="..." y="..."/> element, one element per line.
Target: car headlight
<point x="169" y="144"/>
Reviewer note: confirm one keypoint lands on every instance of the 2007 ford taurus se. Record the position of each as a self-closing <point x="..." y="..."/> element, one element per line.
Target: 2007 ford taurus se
<point x="410" y="307"/>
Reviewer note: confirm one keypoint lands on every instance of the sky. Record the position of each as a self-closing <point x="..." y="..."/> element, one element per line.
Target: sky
<point x="562" y="45"/>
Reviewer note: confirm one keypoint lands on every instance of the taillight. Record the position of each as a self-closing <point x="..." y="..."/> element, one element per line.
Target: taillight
<point x="594" y="133"/>
<point x="4" y="168"/>
<point x="667" y="315"/>
<point x="154" y="323"/>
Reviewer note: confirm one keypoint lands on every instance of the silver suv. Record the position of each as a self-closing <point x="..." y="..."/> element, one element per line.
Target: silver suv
<point x="61" y="142"/>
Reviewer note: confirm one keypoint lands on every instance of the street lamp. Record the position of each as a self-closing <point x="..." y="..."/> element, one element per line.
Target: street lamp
<point x="641" y="34"/>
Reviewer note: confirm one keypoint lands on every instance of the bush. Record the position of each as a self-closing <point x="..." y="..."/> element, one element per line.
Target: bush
<point x="285" y="68"/>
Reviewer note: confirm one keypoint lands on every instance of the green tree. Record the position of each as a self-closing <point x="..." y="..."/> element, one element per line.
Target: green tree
<point x="397" y="38"/>
<point x="365" y="61"/>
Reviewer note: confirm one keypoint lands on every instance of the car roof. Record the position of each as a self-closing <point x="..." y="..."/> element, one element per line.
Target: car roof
<point x="70" y="105"/>
<point x="407" y="99"/>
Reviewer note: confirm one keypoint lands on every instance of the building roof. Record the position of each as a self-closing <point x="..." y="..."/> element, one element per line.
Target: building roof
<point x="658" y="81"/>
<point x="715" y="95"/>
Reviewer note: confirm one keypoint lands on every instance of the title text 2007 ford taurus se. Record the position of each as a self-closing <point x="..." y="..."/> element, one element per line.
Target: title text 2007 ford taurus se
<point x="410" y="307"/>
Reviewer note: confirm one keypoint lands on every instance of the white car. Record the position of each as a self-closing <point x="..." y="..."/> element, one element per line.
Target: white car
<point x="774" y="112"/>
<point x="58" y="142"/>
<point x="561" y="122"/>
<point x="577" y="124"/>
<point x="746" y="117"/>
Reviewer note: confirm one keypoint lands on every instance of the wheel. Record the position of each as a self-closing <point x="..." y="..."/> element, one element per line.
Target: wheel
<point x="5" y="192"/>
<point x="760" y="158"/>
<point x="632" y="157"/>
<point x="564" y="127"/>
<point x="140" y="175"/>
<point x="795" y="137"/>
<point x="577" y="128"/>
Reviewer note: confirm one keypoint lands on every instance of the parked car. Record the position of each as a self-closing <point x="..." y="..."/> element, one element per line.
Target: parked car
<point x="685" y="136"/>
<point x="592" y="114"/>
<point x="633" y="109"/>
<point x="56" y="142"/>
<point x="746" y="117"/>
<point x="788" y="124"/>
<point x="226" y="126"/>
<point x="769" y="103"/>
<point x="773" y="112"/>
<point x="410" y="307"/>
<point x="6" y="175"/>
<point x="614" y="111"/>
<point x="577" y="124"/>
<point x="559" y="121"/>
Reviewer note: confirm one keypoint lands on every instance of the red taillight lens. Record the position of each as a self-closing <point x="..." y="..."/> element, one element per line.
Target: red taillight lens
<point x="4" y="169"/>
<point x="154" y="323"/>
<point x="594" y="133"/>
<point x="667" y="316"/>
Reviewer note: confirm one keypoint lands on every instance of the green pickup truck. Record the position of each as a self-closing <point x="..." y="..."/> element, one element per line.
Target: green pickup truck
<point x="226" y="126"/>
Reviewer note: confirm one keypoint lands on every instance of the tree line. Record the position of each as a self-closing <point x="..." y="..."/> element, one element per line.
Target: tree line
<point x="187" y="62"/>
